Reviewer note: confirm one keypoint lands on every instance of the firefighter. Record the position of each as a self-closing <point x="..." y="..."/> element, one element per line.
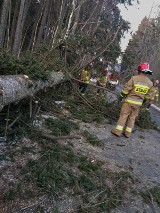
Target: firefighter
<point x="85" y="76"/>
<point x="152" y="96"/>
<point x="101" y="81"/>
<point x="134" y="92"/>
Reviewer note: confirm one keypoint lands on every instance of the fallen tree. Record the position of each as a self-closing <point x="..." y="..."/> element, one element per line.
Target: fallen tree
<point x="18" y="87"/>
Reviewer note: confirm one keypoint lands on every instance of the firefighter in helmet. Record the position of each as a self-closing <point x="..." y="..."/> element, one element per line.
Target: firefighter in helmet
<point x="152" y="96"/>
<point x="134" y="92"/>
<point x="101" y="81"/>
<point x="84" y="76"/>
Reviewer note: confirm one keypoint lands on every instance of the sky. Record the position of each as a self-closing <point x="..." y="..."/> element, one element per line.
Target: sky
<point x="134" y="14"/>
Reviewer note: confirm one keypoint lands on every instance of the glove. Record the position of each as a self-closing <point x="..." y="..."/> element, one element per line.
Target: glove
<point x="144" y="101"/>
<point x="120" y="99"/>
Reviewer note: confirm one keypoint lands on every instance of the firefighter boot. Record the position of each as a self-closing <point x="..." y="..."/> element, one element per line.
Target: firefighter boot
<point x="127" y="132"/>
<point x="116" y="132"/>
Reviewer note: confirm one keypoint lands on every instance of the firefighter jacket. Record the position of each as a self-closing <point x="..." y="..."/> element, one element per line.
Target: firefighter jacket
<point x="153" y="94"/>
<point x="85" y="75"/>
<point x="136" y="89"/>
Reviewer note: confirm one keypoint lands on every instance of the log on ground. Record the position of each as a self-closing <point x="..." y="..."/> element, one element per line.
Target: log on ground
<point x="18" y="87"/>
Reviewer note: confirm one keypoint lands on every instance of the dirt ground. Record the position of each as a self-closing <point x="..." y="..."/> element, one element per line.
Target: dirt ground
<point x="140" y="155"/>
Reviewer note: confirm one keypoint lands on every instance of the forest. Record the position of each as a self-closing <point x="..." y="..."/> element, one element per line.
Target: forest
<point x="52" y="139"/>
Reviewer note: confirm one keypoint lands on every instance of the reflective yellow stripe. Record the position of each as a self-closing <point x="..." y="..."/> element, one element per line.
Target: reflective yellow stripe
<point x="142" y="83"/>
<point x="125" y="92"/>
<point x="133" y="102"/>
<point x="119" y="127"/>
<point x="128" y="129"/>
<point x="142" y="86"/>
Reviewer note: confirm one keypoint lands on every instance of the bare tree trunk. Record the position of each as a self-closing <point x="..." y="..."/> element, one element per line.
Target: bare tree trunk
<point x="19" y="29"/>
<point x="35" y="26"/>
<point x="15" y="87"/>
<point x="93" y="19"/>
<point x="59" y="22"/>
<point x="43" y="23"/>
<point x="8" y="27"/>
<point x="27" y="5"/>
<point x="76" y="17"/>
<point x="14" y="22"/>
<point x="3" y="22"/>
<point x="47" y="34"/>
<point x="70" y="18"/>
<point x="96" y="17"/>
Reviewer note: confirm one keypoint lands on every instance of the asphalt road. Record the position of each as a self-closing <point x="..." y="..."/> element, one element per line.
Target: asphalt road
<point x="155" y="115"/>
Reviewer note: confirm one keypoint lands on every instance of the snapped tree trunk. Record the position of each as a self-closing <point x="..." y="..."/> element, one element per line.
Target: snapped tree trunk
<point x="15" y="87"/>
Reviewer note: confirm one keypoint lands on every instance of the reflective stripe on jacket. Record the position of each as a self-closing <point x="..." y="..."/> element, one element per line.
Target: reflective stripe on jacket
<point x="136" y="89"/>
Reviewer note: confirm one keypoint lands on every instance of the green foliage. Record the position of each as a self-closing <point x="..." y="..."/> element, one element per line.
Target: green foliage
<point x="61" y="126"/>
<point x="87" y="166"/>
<point x="58" y="168"/>
<point x="8" y="64"/>
<point x="144" y="120"/>
<point x="26" y="65"/>
<point x="85" y="113"/>
<point x="10" y="195"/>
<point x="155" y="193"/>
<point x="25" y="149"/>
<point x="92" y="139"/>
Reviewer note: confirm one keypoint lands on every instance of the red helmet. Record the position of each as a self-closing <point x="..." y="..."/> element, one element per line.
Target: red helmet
<point x="144" y="67"/>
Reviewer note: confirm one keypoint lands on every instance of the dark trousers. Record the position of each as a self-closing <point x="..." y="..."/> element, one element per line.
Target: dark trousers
<point x="82" y="87"/>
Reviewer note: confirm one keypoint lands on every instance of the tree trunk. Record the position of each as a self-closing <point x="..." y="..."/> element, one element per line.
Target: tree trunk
<point x="15" y="87"/>
<point x="59" y="22"/>
<point x="70" y="18"/>
<point x="77" y="15"/>
<point x="3" y="22"/>
<point x="43" y="24"/>
<point x="35" y="25"/>
<point x="19" y="29"/>
<point x="47" y="34"/>
<point x="14" y="23"/>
